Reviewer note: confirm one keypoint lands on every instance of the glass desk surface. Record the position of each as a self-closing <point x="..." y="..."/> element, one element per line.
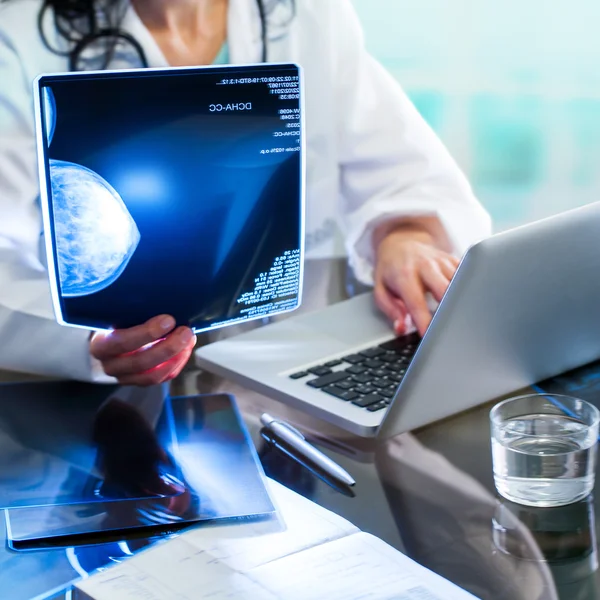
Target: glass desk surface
<point x="429" y="493"/>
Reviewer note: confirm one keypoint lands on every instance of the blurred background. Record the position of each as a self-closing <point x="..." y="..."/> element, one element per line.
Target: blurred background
<point x="512" y="87"/>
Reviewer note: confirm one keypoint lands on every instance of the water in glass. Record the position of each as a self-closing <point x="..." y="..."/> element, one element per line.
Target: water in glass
<point x="544" y="459"/>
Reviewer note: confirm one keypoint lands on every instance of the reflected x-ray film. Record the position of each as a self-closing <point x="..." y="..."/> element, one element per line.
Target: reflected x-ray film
<point x="172" y="191"/>
<point x="60" y="488"/>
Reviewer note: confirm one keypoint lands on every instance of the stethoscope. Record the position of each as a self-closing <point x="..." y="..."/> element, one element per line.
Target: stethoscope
<point x="116" y="34"/>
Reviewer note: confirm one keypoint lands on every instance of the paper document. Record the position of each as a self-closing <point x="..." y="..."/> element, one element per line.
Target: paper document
<point x="243" y="547"/>
<point x="359" y="566"/>
<point x="319" y="555"/>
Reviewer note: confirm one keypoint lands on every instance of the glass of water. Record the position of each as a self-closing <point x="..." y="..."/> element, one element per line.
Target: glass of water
<point x="544" y="449"/>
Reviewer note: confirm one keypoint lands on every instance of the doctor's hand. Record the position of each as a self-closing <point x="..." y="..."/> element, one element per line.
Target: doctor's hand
<point x="145" y="355"/>
<point x="408" y="266"/>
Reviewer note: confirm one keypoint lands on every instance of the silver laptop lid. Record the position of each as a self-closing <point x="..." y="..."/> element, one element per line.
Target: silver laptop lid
<point x="524" y="305"/>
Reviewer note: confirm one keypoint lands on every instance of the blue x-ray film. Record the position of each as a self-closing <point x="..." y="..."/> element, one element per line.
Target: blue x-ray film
<point x="175" y="191"/>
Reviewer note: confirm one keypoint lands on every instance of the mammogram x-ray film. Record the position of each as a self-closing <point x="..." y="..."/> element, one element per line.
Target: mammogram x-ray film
<point x="217" y="474"/>
<point x="172" y="191"/>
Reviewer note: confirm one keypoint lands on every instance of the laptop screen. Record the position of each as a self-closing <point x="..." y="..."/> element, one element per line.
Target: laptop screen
<point x="176" y="191"/>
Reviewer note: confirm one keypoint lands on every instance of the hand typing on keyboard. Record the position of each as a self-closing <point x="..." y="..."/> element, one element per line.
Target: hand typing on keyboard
<point x="409" y="267"/>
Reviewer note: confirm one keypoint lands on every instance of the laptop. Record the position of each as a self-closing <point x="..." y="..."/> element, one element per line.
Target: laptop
<point x="523" y="305"/>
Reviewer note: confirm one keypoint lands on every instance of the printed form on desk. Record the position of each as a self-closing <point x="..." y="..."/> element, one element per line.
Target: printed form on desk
<point x="318" y="555"/>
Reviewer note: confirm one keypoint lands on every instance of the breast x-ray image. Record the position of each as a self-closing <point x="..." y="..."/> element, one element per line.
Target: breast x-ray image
<point x="172" y="191"/>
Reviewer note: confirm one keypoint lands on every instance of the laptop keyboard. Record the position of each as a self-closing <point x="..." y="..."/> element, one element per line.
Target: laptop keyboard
<point x="369" y="378"/>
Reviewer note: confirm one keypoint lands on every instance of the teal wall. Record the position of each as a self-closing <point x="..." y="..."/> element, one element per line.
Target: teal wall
<point x="511" y="86"/>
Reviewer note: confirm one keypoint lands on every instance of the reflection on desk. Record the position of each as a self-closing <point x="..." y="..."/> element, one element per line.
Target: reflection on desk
<point x="452" y="521"/>
<point x="563" y="538"/>
<point x="428" y="490"/>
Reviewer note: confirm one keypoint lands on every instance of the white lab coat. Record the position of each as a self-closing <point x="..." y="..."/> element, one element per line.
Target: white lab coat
<point x="370" y="157"/>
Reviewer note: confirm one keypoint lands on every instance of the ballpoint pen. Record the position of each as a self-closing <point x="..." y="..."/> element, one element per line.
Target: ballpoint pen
<point x="287" y="438"/>
<point x="277" y="445"/>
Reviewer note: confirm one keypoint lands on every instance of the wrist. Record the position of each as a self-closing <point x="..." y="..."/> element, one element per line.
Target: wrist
<point x="402" y="231"/>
